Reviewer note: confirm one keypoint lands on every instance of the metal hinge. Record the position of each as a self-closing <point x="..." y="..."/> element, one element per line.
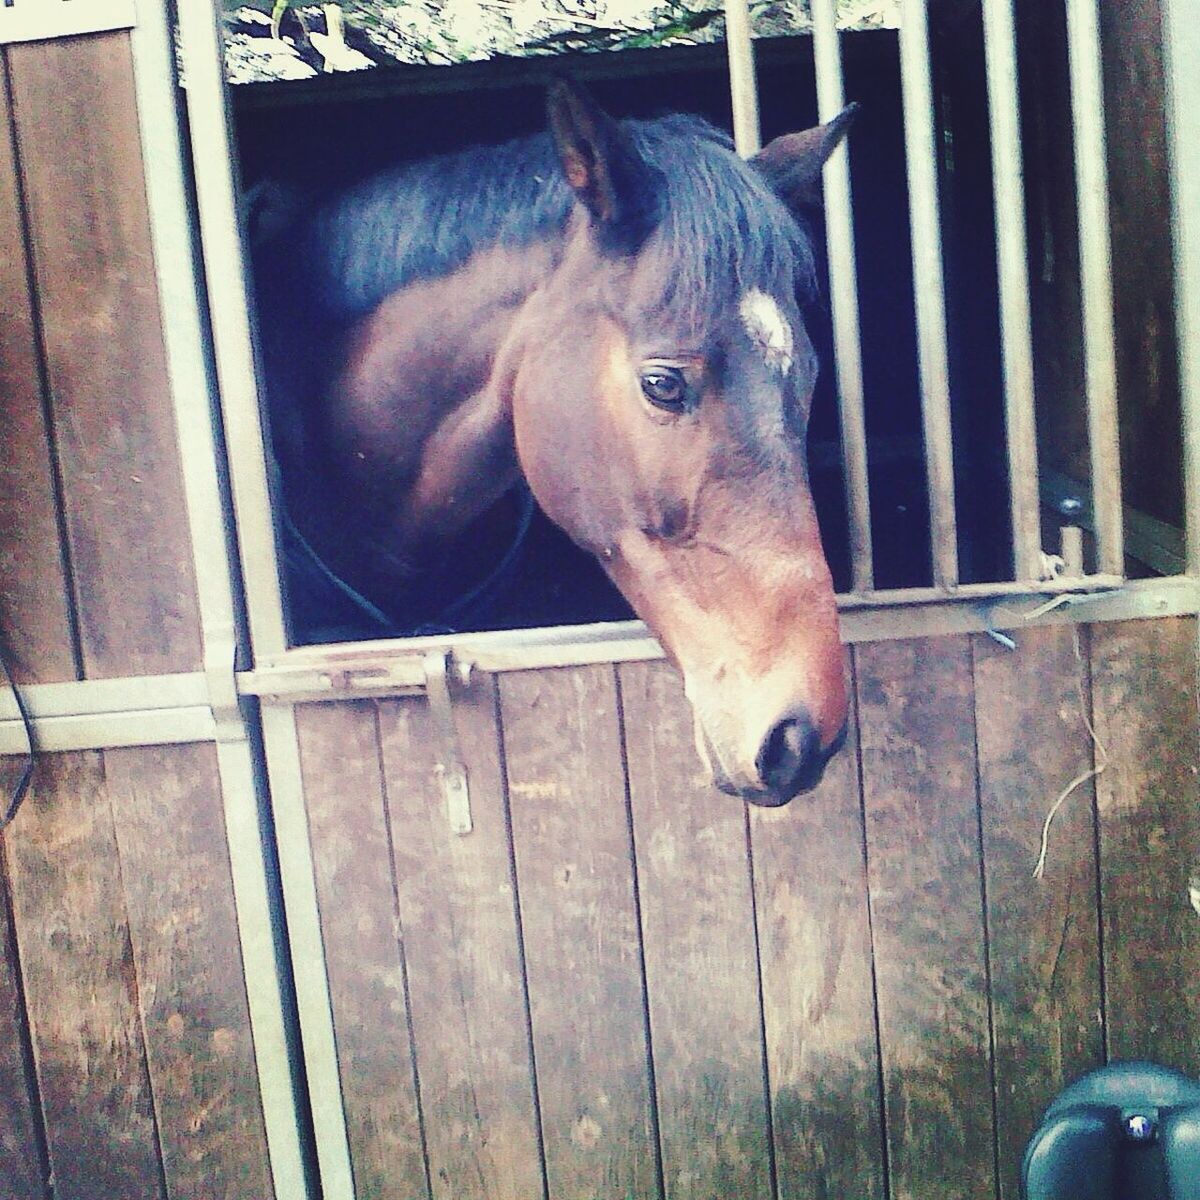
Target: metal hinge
<point x="41" y="20"/>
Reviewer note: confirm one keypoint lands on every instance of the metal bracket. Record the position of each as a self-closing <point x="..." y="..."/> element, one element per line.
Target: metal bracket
<point x="40" y="20"/>
<point x="450" y="768"/>
<point x="220" y="675"/>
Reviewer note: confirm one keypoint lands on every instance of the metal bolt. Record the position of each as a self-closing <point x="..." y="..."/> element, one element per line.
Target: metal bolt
<point x="1139" y="1128"/>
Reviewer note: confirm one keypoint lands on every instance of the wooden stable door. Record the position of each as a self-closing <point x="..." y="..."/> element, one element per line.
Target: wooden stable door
<point x="623" y="983"/>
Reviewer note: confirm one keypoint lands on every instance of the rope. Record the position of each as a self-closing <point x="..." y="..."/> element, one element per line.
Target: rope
<point x="1039" y="868"/>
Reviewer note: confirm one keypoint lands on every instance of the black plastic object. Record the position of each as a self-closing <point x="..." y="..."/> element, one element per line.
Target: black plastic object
<point x="1130" y="1131"/>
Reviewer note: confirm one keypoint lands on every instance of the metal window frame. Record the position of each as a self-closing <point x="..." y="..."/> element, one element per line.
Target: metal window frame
<point x="42" y="20"/>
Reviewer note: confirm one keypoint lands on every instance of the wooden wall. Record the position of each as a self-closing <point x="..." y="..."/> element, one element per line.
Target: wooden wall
<point x="126" y="1063"/>
<point x="623" y="984"/>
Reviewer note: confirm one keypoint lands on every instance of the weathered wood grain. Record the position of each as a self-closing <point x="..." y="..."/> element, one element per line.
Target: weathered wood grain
<point x="170" y="830"/>
<point x="35" y="625"/>
<point x="916" y="728"/>
<point x="459" y="923"/>
<point x="81" y="987"/>
<point x="364" y="953"/>
<point x="77" y="132"/>
<point x="574" y="862"/>
<point x="1145" y="701"/>
<point x="1044" y="934"/>
<point x="23" y="1166"/>
<point x="818" y="990"/>
<point x="701" y="958"/>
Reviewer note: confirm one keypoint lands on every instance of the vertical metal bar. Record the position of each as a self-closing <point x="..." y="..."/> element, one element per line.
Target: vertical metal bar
<point x="193" y="395"/>
<point x="1181" y="55"/>
<point x="1012" y="266"/>
<point x="282" y="743"/>
<point x="220" y="234"/>
<point x="743" y="86"/>
<point x="843" y="296"/>
<point x="928" y="285"/>
<point x="1095" y="278"/>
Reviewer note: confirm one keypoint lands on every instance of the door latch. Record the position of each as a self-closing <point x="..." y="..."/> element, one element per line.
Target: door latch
<point x="450" y="769"/>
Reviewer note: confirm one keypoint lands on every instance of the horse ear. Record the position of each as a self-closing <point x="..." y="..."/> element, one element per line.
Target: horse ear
<point x="792" y="163"/>
<point x="603" y="167"/>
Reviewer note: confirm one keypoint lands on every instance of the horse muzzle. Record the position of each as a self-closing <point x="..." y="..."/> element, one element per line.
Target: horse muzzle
<point x="790" y="762"/>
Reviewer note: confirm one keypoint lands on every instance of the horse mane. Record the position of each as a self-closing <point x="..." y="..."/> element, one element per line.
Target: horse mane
<point x="722" y="229"/>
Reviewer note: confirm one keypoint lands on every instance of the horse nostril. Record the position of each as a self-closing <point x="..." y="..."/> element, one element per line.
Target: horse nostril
<point x="790" y="760"/>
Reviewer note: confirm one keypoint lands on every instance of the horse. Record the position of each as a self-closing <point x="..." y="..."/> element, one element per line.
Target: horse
<point x="610" y="314"/>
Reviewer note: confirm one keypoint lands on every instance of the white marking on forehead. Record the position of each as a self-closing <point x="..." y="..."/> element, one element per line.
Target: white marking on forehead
<point x="768" y="329"/>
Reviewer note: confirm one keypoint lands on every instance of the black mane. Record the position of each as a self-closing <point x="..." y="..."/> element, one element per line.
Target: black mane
<point x="722" y="229"/>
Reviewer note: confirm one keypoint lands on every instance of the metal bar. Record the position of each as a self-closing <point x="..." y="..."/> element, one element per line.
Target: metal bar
<point x="194" y="397"/>
<point x="843" y="296"/>
<point x="743" y="86"/>
<point x="216" y="194"/>
<point x="1095" y="279"/>
<point x="928" y="286"/>
<point x="220" y="232"/>
<point x="94" y="697"/>
<point x="899" y="610"/>
<point x="1135" y="600"/>
<point x="106" y="731"/>
<point x="307" y="946"/>
<point x="397" y="667"/>
<point x="869" y="618"/>
<point x="40" y="20"/>
<point x="1181" y="54"/>
<point x="1016" y="336"/>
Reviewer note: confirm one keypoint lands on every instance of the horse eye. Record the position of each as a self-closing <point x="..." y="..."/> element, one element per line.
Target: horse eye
<point x="666" y="388"/>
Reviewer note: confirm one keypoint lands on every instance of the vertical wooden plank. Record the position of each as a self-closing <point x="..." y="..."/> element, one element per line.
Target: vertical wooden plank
<point x="1030" y="712"/>
<point x="583" y="959"/>
<point x="1144" y="694"/>
<point x="170" y="829"/>
<point x="916" y="727"/>
<point x="701" y="957"/>
<point x="35" y="625"/>
<point x="115" y="434"/>
<point x="343" y="787"/>
<point x="80" y="986"/>
<point x="462" y="947"/>
<point x="818" y="990"/>
<point x="22" y="1165"/>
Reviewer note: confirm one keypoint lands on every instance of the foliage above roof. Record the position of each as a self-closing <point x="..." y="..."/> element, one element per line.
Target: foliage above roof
<point x="289" y="39"/>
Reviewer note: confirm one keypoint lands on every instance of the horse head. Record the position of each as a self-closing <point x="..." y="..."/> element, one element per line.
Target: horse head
<point x="658" y="383"/>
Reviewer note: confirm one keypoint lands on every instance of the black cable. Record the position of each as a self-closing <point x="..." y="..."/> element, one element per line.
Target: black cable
<point x="26" y="777"/>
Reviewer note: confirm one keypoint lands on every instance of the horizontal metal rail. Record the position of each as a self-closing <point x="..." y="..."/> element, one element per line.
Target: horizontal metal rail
<point x="95" y="715"/>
